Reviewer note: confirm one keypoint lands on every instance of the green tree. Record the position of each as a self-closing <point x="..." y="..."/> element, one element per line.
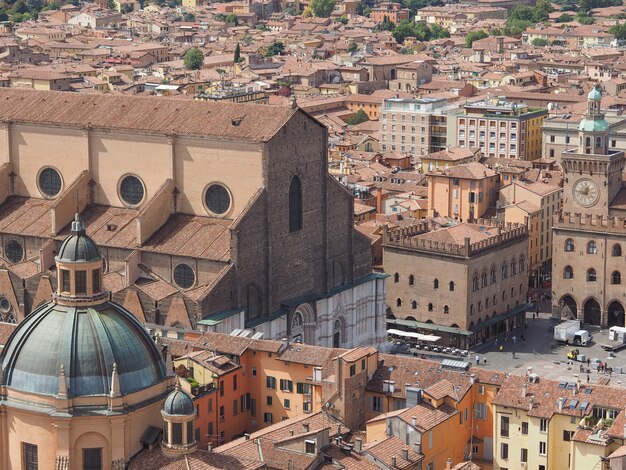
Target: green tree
<point x="193" y="59"/>
<point x="475" y="36"/>
<point x="111" y="5"/>
<point x="357" y="118"/>
<point x="539" y="42"/>
<point x="565" y="18"/>
<point x="386" y="25"/>
<point x="322" y="8"/>
<point x="232" y="18"/>
<point x="619" y="31"/>
<point x="352" y="48"/>
<point x="237" y="56"/>
<point x="586" y="20"/>
<point x="342" y="20"/>
<point x="189" y="17"/>
<point x="276" y="48"/>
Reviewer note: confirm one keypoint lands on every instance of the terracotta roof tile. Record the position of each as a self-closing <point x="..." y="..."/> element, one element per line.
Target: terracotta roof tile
<point x="227" y="121"/>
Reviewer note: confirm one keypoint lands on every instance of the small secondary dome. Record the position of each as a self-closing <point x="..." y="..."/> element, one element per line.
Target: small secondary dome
<point x="179" y="403"/>
<point x="78" y="247"/>
<point x="595" y="94"/>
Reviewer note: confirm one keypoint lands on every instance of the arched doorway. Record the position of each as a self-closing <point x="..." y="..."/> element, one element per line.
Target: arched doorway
<point x="592" y="312"/>
<point x="615" y="315"/>
<point x="568" y="307"/>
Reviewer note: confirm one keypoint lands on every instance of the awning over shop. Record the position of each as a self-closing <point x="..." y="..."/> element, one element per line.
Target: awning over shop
<point x="430" y="326"/>
<point x="411" y="334"/>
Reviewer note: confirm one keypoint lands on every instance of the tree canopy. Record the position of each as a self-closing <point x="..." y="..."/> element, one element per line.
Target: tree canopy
<point x="475" y="36"/>
<point x="420" y="31"/>
<point x="357" y="118"/>
<point x="232" y="18"/>
<point x="619" y="31"/>
<point x="322" y="8"/>
<point x="193" y="59"/>
<point x="276" y="48"/>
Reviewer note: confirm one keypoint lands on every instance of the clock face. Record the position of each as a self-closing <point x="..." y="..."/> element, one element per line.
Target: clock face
<point x="586" y="192"/>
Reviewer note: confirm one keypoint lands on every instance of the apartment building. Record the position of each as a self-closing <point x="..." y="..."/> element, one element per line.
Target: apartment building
<point x="416" y="126"/>
<point x="449" y="15"/>
<point x="391" y="11"/>
<point x="500" y="128"/>
<point x="462" y="192"/>
<point x="544" y="424"/>
<point x="463" y="282"/>
<point x="533" y="204"/>
<point x="560" y="132"/>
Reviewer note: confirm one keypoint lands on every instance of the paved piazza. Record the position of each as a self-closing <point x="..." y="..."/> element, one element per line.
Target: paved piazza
<point x="547" y="358"/>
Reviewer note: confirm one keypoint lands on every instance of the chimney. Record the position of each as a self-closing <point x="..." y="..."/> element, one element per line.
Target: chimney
<point x="392" y="386"/>
<point x="413" y="396"/>
<point x="405" y="454"/>
<point x="285" y="344"/>
<point x="393" y="462"/>
<point x="358" y="443"/>
<point x="560" y="403"/>
<point x="209" y="447"/>
<point x="339" y="430"/>
<point x="524" y="388"/>
<point x="624" y="431"/>
<point x="449" y="464"/>
<point x="379" y="201"/>
<point x="414" y="421"/>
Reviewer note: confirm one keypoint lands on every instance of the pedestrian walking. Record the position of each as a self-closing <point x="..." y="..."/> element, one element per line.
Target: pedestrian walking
<point x="496" y="341"/>
<point x="587" y="378"/>
<point x="501" y="348"/>
<point x="477" y="360"/>
<point x="514" y="339"/>
<point x="588" y="362"/>
<point x="485" y="360"/>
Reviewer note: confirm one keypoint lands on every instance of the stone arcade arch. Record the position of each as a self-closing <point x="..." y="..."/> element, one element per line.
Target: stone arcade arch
<point x="592" y="312"/>
<point x="569" y="309"/>
<point x="615" y="314"/>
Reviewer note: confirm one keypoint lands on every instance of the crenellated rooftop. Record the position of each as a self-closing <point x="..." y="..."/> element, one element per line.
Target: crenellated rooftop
<point x="487" y="233"/>
<point x="587" y="222"/>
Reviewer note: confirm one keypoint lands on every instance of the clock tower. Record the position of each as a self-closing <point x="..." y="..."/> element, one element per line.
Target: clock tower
<point x="593" y="171"/>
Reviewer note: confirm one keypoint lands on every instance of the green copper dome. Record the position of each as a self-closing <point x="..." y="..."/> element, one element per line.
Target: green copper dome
<point x="593" y="125"/>
<point x="595" y="94"/>
<point x="87" y="342"/>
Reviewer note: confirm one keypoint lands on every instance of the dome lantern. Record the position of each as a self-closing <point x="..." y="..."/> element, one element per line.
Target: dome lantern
<point x="79" y="269"/>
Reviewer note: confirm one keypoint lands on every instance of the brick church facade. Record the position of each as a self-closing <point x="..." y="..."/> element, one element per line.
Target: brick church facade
<point x="209" y="216"/>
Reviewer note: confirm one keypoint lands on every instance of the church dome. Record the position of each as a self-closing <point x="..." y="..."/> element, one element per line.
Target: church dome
<point x="179" y="403"/>
<point x="99" y="347"/>
<point x="87" y="342"/>
<point x="78" y="247"/>
<point x="595" y="94"/>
